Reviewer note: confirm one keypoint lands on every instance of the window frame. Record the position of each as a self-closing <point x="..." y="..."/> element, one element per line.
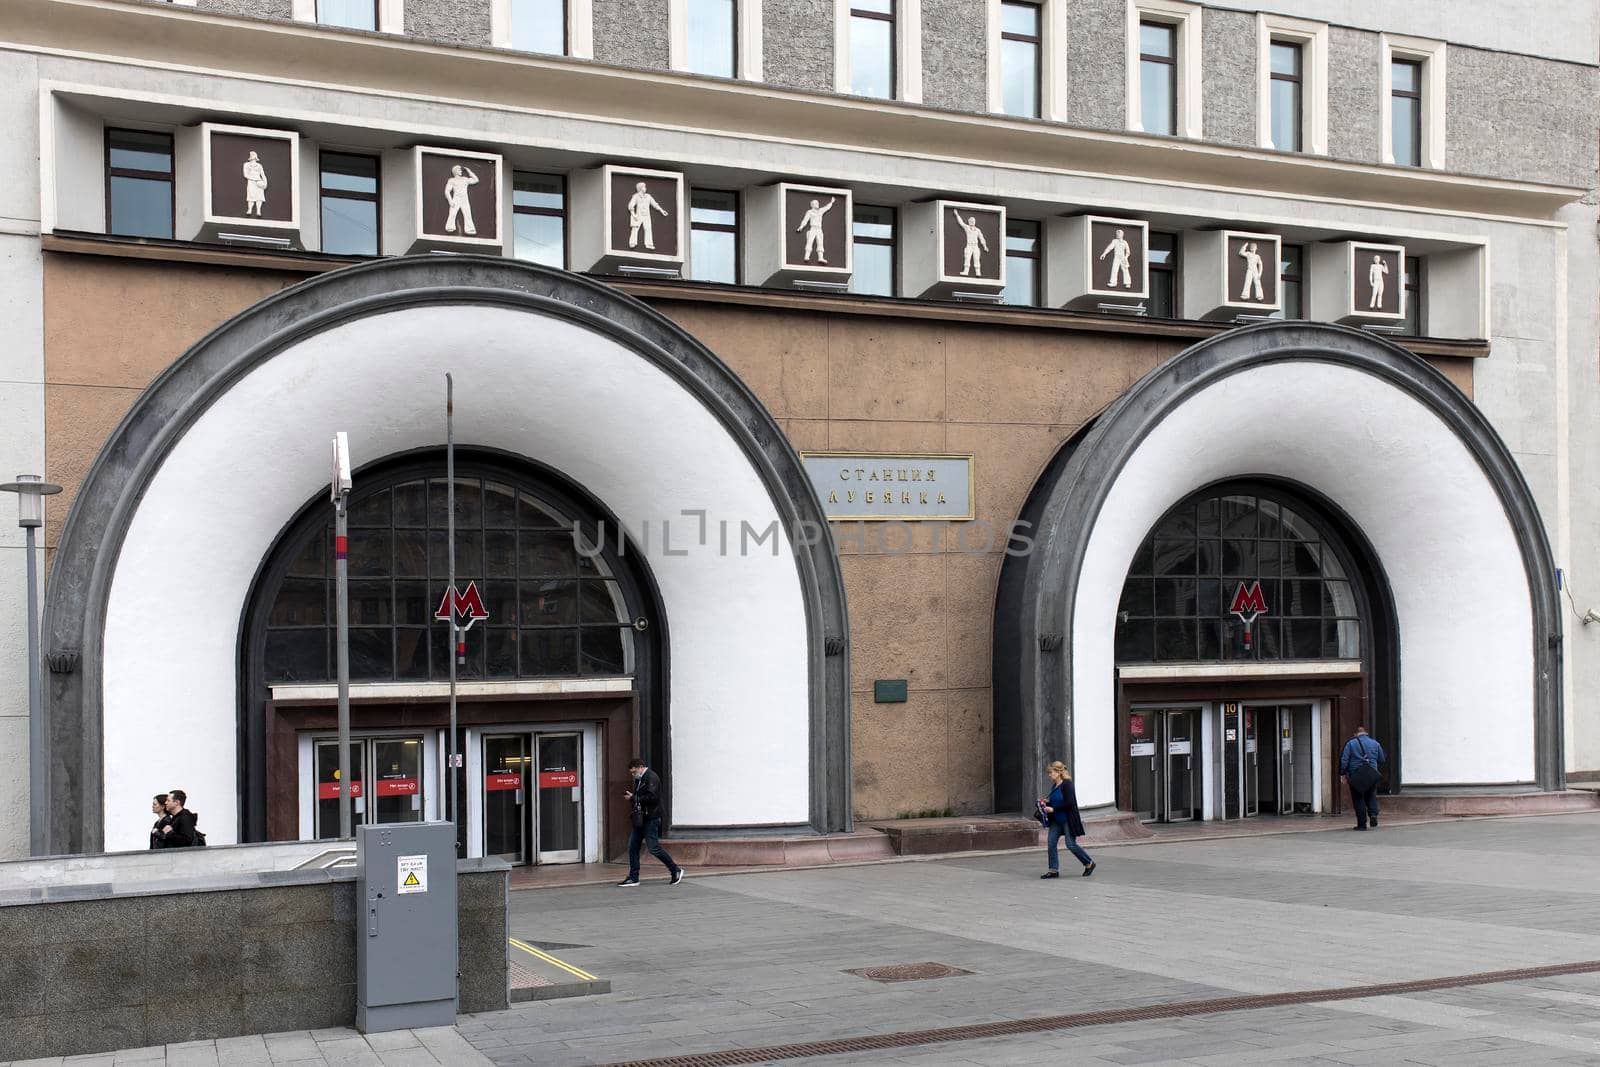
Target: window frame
<point x="893" y="244"/>
<point x="905" y="52"/>
<point x="1312" y="37"/>
<point x="1412" y="269"/>
<point x="545" y="212"/>
<point x="1431" y="55"/>
<point x="998" y="35"/>
<point x="1174" y="269"/>
<point x="577" y="39"/>
<point x="1188" y="118"/>
<point x="737" y="229"/>
<point x="171" y="178"/>
<point x="747" y="39"/>
<point x="389" y="15"/>
<point x="1297" y="278"/>
<point x="1036" y="257"/>
<point x="375" y="197"/>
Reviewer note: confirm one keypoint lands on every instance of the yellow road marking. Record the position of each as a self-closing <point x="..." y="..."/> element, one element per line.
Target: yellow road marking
<point x="576" y="972"/>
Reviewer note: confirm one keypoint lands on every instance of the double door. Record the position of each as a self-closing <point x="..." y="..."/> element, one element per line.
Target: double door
<point x="1265" y="759"/>
<point x="533" y="797"/>
<point x="386" y="781"/>
<point x="1164" y="751"/>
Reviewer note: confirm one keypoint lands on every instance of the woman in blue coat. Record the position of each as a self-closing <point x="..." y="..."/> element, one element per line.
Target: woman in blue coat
<point x="1061" y="813"/>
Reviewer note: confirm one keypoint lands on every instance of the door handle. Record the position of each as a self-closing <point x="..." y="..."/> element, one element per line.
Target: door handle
<point x="519" y="798"/>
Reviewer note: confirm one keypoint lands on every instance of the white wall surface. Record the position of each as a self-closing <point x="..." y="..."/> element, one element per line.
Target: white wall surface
<point x="1447" y="548"/>
<point x="527" y="384"/>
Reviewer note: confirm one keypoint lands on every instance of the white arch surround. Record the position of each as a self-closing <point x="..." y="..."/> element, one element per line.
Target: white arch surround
<point x="1470" y="663"/>
<point x="219" y="454"/>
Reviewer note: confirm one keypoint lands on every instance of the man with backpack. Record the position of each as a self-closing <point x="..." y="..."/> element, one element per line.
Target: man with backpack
<point x="1358" y="768"/>
<point x="181" y="831"/>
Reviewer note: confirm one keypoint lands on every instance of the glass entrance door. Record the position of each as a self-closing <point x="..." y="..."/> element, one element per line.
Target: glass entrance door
<point x="560" y="804"/>
<point x="1179" y="730"/>
<point x="389" y="767"/>
<point x="1161" y="750"/>
<point x="505" y="796"/>
<point x="1252" y="762"/>
<point x="1232" y="763"/>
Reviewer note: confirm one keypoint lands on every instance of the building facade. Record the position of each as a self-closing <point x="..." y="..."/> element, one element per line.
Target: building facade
<point x="857" y="405"/>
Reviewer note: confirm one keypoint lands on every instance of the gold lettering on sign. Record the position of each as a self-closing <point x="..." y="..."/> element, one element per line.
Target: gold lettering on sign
<point x="922" y="498"/>
<point x="905" y="498"/>
<point x="900" y="475"/>
<point x="874" y="477"/>
<point x="916" y="476"/>
<point x="931" y="475"/>
<point x="833" y="497"/>
<point x="869" y="496"/>
<point x="942" y="499"/>
<point x="850" y="496"/>
<point x="844" y="475"/>
<point x="858" y="474"/>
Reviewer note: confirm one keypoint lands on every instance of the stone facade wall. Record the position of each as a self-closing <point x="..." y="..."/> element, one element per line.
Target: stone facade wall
<point x="632" y="33"/>
<point x="453" y="21"/>
<point x="1520" y="117"/>
<point x="797" y="44"/>
<point x="1353" y="58"/>
<point x="955" y="63"/>
<point x="1096" y="47"/>
<point x="265" y="9"/>
<point x="1228" y="88"/>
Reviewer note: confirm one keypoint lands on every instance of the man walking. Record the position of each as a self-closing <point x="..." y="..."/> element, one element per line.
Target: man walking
<point x="1358" y="768"/>
<point x="179" y="831"/>
<point x="645" y="798"/>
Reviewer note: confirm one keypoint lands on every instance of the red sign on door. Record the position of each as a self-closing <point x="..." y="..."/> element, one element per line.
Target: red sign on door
<point x="501" y="782"/>
<point x="1136" y="725"/>
<point x="330" y="790"/>
<point x="397" y="787"/>
<point x="557" y="779"/>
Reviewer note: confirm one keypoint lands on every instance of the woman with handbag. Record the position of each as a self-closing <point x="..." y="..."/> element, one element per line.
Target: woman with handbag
<point x="1060" y="812"/>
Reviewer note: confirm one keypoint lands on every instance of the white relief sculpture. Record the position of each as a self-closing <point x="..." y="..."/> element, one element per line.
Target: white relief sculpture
<point x="1376" y="274"/>
<point x="972" y="255"/>
<point x="255" y="185"/>
<point x="1252" y="274"/>
<point x="640" y="204"/>
<point x="455" y="194"/>
<point x="811" y="222"/>
<point x="1121" y="260"/>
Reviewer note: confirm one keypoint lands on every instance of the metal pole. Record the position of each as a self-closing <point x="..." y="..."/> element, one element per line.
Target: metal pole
<point x="342" y="599"/>
<point x="38" y="757"/>
<point x="450" y="519"/>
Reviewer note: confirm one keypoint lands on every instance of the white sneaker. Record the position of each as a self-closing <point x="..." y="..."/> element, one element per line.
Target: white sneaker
<point x="678" y="877"/>
<point x="627" y="882"/>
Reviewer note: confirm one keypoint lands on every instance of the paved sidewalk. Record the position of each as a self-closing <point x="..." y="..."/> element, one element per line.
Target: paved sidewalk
<point x="305" y="1048"/>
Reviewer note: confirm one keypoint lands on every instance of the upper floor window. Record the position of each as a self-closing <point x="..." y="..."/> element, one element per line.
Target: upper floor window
<point x="872" y="236"/>
<point x="539" y="218"/>
<point x="713" y="37"/>
<point x="1022" y="263"/>
<point x="1020" y="39"/>
<point x="1412" y="124"/>
<point x="1163" y="67"/>
<point x="1162" y="260"/>
<point x="350" y="14"/>
<point x="1158" y="77"/>
<point x="1291" y="282"/>
<point x="349" y="204"/>
<point x="714" y="236"/>
<point x="872" y="46"/>
<point x="1287" y="74"/>
<point x="139" y="183"/>
<point x="539" y="26"/>
<point x="1405" y="111"/>
<point x="1292" y="86"/>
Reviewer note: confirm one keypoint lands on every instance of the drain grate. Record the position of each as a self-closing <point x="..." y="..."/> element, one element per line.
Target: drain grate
<point x="1173" y="1010"/>
<point x="907" y="972"/>
<point x="522" y="978"/>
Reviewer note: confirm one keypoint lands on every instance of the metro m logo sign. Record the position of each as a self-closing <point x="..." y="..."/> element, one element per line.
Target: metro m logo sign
<point x="1248" y="602"/>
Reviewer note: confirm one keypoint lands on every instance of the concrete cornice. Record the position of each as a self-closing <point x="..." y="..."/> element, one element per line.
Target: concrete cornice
<point x="181" y="38"/>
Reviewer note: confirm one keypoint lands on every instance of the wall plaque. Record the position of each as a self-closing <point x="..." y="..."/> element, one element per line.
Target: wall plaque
<point x="954" y="248"/>
<point x="799" y="233"/>
<point x="239" y="184"/>
<point x="1358" y="281"/>
<point x="629" y="220"/>
<point x="1230" y="272"/>
<point x="448" y="200"/>
<point x="1096" y="259"/>
<point x="879" y="487"/>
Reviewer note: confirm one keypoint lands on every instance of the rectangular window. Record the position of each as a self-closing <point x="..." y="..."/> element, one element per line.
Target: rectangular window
<point x="1022" y="263"/>
<point x="713" y="33"/>
<point x="714" y="236"/>
<point x="1019" y="57"/>
<point x="1405" y="111"/>
<point x="139" y="183"/>
<point x="539" y="218"/>
<point x="1414" y="322"/>
<point x="1163" y="264"/>
<point x="349" y="204"/>
<point x="350" y="14"/>
<point x="872" y="235"/>
<point x="872" y="48"/>
<point x="1291" y="282"/>
<point x="1158" y="77"/>
<point x="1288" y="88"/>
<point x="539" y="26"/>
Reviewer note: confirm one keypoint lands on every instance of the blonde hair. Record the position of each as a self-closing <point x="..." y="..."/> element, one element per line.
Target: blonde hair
<point x="1060" y="768"/>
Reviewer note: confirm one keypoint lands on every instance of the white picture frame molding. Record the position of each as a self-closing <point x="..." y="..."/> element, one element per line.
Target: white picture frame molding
<point x="1186" y="17"/>
<point x="1052" y="59"/>
<point x="1312" y="37"/>
<point x="747" y="38"/>
<point x="1432" y="55"/>
<point x="491" y="159"/>
<point x="580" y="27"/>
<point x="907" y="49"/>
<point x="208" y="217"/>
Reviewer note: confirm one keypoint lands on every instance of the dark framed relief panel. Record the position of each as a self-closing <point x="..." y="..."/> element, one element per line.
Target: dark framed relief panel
<point x="644" y="213"/>
<point x="971" y="243"/>
<point x="252" y="175"/>
<point x="1377" y="281"/>
<point x="1118" y="261"/>
<point x="458" y="196"/>
<point x="816" y="228"/>
<point x="1250" y="263"/>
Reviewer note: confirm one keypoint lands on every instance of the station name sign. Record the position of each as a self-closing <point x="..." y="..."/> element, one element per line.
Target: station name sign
<point x="876" y="486"/>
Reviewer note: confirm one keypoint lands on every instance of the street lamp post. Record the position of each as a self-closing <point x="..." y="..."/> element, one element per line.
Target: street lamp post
<point x="31" y="490"/>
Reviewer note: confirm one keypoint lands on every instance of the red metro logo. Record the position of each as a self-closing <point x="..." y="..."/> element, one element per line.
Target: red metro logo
<point x="1248" y="602"/>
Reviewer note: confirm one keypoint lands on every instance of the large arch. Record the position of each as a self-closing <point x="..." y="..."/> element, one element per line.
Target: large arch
<point x="1377" y="432"/>
<point x="217" y="455"/>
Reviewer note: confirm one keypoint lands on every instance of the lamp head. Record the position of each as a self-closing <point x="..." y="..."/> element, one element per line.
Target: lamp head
<point x="31" y="489"/>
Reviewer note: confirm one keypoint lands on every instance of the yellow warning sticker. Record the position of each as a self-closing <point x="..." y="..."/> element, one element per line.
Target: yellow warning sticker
<point x="412" y="876"/>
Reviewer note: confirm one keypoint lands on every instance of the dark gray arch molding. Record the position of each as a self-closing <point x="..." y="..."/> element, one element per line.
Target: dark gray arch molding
<point x="91" y="539"/>
<point x="1033" y="657"/>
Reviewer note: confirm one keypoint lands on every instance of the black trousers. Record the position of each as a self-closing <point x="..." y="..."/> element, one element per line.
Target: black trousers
<point x="648" y="835"/>
<point x="1365" y="803"/>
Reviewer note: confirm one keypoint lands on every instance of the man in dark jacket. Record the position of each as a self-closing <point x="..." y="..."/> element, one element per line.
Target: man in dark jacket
<point x="645" y="804"/>
<point x="1358" y="768"/>
<point x="179" y="833"/>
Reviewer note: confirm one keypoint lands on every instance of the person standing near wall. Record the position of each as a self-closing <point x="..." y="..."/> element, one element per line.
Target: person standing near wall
<point x="1358" y="768"/>
<point x="158" y="808"/>
<point x="179" y="831"/>
<point x="1064" y="820"/>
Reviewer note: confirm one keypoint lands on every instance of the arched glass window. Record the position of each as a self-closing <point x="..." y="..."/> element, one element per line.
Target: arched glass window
<point x="553" y="610"/>
<point x="1177" y="603"/>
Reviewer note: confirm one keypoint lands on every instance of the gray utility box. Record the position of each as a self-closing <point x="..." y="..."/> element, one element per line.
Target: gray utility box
<point x="406" y="928"/>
